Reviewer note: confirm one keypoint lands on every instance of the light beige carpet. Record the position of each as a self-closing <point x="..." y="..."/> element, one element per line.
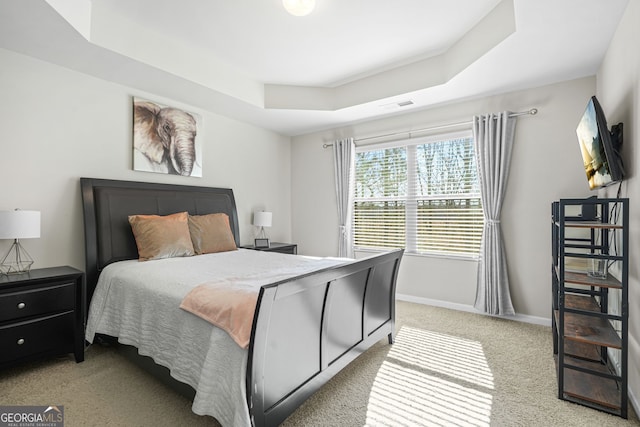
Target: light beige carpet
<point x="446" y="368"/>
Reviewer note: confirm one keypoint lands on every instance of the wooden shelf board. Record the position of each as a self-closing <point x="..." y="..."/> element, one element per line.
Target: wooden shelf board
<point x="613" y="411"/>
<point x="581" y="350"/>
<point x="580" y="332"/>
<point x="587" y="329"/>
<point x="591" y="388"/>
<point x="584" y="279"/>
<point x="592" y="224"/>
<point x="581" y="302"/>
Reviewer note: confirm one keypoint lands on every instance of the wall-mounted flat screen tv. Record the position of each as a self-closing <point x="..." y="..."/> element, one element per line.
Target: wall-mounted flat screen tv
<point x="600" y="147"/>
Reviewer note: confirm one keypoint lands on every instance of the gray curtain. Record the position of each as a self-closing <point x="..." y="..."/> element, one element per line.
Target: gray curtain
<point x="344" y="157"/>
<point x="493" y="136"/>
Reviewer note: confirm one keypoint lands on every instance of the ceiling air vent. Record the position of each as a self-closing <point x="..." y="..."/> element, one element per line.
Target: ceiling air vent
<point x="396" y="105"/>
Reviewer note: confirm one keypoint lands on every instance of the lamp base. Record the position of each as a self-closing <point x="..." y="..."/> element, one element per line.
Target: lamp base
<point x="16" y="261"/>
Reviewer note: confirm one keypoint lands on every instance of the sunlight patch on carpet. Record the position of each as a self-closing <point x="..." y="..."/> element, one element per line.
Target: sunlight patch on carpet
<point x="456" y="357"/>
<point x="432" y="379"/>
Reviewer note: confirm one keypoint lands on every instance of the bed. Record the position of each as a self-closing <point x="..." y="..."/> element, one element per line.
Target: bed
<point x="307" y="325"/>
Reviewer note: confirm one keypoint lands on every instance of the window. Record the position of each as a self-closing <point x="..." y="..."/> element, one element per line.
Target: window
<point x="420" y="194"/>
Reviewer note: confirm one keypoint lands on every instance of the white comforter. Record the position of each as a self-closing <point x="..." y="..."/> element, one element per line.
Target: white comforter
<point x="138" y="302"/>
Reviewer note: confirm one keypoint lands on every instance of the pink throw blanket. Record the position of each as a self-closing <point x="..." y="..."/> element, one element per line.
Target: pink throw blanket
<point x="229" y="306"/>
<point x="230" y="303"/>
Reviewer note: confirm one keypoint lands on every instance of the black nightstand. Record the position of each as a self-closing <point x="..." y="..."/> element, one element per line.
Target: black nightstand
<point x="42" y="314"/>
<point x="285" y="248"/>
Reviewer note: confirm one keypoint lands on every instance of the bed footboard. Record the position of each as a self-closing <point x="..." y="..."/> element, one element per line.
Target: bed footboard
<point x="308" y="328"/>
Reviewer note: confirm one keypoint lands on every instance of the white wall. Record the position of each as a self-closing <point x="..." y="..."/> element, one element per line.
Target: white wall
<point x="618" y="90"/>
<point x="546" y="165"/>
<point x="59" y="125"/>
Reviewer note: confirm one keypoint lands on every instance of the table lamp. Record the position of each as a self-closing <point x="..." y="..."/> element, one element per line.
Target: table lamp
<point x="262" y="219"/>
<point x="18" y="224"/>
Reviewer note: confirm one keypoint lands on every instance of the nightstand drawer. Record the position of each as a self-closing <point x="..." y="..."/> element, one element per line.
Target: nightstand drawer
<point x="18" y="305"/>
<point x="37" y="336"/>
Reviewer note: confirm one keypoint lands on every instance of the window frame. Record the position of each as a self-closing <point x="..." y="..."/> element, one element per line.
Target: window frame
<point x="412" y="197"/>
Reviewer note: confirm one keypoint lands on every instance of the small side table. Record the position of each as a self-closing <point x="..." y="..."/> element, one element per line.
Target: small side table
<point x="42" y="314"/>
<point x="284" y="248"/>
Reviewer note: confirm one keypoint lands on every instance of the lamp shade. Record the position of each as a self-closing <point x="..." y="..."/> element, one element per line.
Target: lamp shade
<point x="19" y="224"/>
<point x="262" y="219"/>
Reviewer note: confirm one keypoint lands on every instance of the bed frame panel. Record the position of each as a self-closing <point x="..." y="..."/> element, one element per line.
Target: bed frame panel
<point x="308" y="328"/>
<point x="305" y="330"/>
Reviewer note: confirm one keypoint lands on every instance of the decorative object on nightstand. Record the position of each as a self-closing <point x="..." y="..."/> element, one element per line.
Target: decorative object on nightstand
<point x="262" y="219"/>
<point x="18" y="224"/>
<point x="42" y="314"/>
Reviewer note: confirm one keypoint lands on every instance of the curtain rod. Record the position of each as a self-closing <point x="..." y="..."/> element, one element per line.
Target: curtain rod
<point x="532" y="112"/>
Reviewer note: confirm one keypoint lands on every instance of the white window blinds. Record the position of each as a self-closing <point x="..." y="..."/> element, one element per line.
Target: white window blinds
<point x="421" y="194"/>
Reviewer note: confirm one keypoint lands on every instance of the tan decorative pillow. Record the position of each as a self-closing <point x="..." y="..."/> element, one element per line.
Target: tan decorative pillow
<point x="162" y="236"/>
<point x="211" y="233"/>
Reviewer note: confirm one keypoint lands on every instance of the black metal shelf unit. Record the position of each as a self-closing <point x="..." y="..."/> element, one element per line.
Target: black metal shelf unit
<point x="590" y="303"/>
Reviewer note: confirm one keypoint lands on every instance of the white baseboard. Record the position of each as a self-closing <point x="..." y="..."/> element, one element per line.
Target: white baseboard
<point x="469" y="308"/>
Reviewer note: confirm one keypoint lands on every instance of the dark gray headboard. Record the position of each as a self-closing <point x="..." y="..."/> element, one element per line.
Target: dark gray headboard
<point x="108" y="203"/>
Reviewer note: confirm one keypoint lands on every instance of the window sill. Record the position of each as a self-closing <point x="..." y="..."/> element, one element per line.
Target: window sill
<point x="473" y="258"/>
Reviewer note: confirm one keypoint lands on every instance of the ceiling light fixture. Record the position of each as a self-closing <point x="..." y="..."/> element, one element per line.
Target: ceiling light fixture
<point x="299" y="7"/>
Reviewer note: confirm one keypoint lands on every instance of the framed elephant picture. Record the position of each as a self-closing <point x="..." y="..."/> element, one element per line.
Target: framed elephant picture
<point x="165" y="139"/>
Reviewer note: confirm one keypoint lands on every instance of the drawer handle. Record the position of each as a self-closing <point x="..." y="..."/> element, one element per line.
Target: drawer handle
<point x="21" y="341"/>
<point x="21" y="305"/>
